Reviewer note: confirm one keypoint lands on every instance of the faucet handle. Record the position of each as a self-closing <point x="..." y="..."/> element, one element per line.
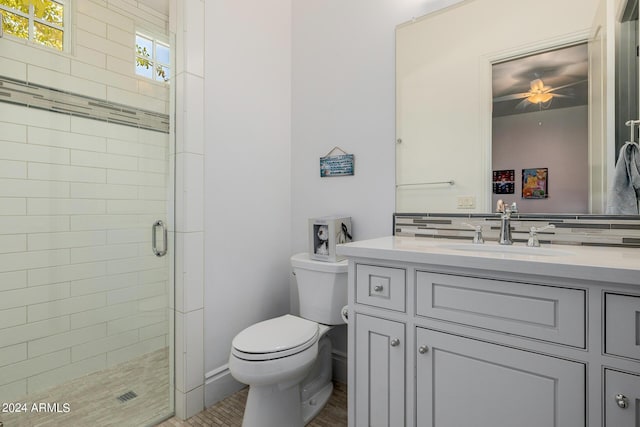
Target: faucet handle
<point x="533" y="241"/>
<point x="537" y="229"/>
<point x="477" y="236"/>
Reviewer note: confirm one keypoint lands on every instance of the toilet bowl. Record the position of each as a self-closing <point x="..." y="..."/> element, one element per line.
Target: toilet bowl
<point x="286" y="361"/>
<point x="287" y="358"/>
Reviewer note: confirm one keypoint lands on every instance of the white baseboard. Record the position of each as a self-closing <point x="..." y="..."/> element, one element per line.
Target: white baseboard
<point x="219" y="384"/>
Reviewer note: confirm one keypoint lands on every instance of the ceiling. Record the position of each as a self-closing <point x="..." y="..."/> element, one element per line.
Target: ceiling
<point x="565" y="69"/>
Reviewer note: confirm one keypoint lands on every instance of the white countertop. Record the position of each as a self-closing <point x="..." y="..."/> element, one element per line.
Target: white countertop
<point x="610" y="264"/>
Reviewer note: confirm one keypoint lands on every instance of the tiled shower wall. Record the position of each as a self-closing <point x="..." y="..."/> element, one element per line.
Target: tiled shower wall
<point x="80" y="289"/>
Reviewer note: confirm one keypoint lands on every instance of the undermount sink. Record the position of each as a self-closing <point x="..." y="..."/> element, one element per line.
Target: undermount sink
<point x="506" y="249"/>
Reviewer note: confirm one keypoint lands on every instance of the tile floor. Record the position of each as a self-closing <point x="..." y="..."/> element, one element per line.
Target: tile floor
<point x="93" y="401"/>
<point x="228" y="412"/>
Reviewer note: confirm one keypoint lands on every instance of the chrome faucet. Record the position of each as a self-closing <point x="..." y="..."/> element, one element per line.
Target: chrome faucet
<point x="533" y="241"/>
<point x="477" y="236"/>
<point x="505" y="227"/>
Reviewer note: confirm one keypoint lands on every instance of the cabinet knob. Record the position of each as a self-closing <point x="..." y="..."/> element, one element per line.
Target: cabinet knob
<point x="423" y="349"/>
<point x="378" y="288"/>
<point x="622" y="401"/>
<point x="395" y="342"/>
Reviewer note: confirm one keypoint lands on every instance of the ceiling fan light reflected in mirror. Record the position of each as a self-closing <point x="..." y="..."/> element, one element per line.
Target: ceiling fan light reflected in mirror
<point x="539" y="93"/>
<point x="545" y="80"/>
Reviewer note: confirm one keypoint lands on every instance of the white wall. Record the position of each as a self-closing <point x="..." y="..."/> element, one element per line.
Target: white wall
<point x="247" y="174"/>
<point x="344" y="95"/>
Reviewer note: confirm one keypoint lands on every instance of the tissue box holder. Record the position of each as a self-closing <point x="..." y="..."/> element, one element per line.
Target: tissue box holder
<point x="325" y="233"/>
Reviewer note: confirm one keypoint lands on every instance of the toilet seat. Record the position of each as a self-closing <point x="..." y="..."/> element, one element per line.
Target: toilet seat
<point x="275" y="338"/>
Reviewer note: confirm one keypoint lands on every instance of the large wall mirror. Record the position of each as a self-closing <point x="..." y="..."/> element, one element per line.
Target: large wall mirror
<point x="515" y="101"/>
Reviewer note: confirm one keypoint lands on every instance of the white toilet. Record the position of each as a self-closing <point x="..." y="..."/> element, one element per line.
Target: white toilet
<point x="286" y="361"/>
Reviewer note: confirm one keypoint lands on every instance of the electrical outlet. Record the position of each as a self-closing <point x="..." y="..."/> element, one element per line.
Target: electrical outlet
<point x="466" y="202"/>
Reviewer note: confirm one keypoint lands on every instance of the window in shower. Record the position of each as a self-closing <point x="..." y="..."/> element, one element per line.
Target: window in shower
<point x="152" y="58"/>
<point x="41" y="21"/>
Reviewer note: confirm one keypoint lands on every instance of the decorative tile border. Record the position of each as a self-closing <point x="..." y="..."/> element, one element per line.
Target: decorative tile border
<point x="592" y="230"/>
<point x="45" y="98"/>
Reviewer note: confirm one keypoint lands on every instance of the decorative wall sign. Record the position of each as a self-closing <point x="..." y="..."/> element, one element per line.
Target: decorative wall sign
<point x="534" y="183"/>
<point x="503" y="181"/>
<point x="336" y="165"/>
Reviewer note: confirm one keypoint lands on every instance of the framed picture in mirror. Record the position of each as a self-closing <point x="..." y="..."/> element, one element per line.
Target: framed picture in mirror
<point x="503" y="181"/>
<point x="534" y="183"/>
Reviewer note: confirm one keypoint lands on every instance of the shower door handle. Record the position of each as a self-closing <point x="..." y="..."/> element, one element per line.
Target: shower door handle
<point x="154" y="238"/>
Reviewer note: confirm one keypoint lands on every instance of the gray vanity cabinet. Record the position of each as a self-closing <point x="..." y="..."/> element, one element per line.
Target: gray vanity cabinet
<point x="380" y="372"/>
<point x="466" y="382"/>
<point x="434" y="345"/>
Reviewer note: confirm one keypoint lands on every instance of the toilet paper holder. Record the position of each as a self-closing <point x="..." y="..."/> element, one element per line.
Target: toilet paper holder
<point x="345" y="313"/>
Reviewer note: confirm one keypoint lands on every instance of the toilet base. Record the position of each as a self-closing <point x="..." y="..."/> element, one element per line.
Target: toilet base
<point x="312" y="406"/>
<point x="270" y="406"/>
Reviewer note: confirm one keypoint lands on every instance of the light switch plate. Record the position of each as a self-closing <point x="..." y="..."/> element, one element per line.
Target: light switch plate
<point x="466" y="202"/>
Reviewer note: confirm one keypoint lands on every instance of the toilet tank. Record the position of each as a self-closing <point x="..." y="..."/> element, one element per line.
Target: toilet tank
<point x="322" y="288"/>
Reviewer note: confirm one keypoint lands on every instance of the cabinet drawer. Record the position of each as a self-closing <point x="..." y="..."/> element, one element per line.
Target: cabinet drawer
<point x="383" y="287"/>
<point x="622" y="325"/>
<point x="536" y="311"/>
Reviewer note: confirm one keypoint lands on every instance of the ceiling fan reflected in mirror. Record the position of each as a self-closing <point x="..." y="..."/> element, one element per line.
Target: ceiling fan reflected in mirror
<point x="538" y="94"/>
<point x="547" y="80"/>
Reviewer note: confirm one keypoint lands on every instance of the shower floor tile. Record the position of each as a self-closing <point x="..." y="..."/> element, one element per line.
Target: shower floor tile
<point x="93" y="399"/>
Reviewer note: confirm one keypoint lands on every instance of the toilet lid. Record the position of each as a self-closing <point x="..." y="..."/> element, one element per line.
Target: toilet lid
<point x="276" y="335"/>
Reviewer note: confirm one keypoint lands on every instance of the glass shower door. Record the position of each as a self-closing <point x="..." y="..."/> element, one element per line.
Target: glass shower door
<point x="85" y="325"/>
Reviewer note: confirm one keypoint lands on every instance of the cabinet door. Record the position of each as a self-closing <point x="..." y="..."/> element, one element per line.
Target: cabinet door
<point x="465" y="382"/>
<point x="622" y="399"/>
<point x="379" y="372"/>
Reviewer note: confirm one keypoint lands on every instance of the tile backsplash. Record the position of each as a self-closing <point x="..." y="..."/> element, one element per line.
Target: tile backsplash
<point x="593" y="230"/>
